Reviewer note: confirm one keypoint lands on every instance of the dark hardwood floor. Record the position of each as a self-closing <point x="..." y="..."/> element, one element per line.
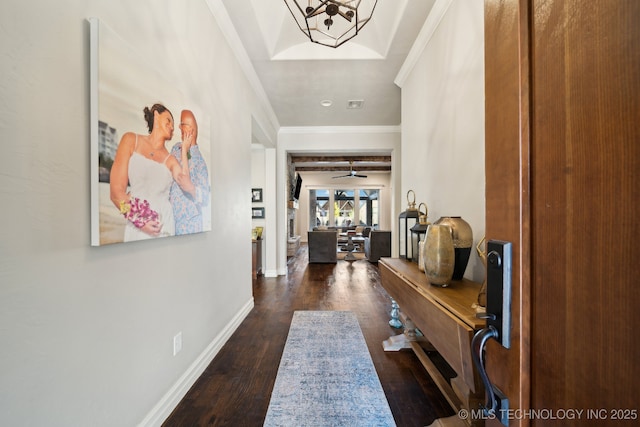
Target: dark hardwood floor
<point x="236" y="387"/>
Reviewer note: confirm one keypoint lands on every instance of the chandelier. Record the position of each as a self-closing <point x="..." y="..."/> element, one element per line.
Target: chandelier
<point x="331" y="22"/>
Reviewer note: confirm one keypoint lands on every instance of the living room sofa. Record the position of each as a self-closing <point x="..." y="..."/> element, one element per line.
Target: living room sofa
<point x="377" y="245"/>
<point x="362" y="229"/>
<point x="323" y="246"/>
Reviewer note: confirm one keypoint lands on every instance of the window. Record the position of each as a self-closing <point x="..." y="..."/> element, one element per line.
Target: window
<point x="344" y="207"/>
<point x="319" y="208"/>
<point x="369" y="208"/>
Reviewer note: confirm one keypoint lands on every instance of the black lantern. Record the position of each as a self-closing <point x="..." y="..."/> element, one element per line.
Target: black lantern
<point x="419" y="233"/>
<point x="407" y="219"/>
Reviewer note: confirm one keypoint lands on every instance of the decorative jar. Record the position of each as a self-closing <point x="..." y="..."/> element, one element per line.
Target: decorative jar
<point x="462" y="238"/>
<point x="439" y="255"/>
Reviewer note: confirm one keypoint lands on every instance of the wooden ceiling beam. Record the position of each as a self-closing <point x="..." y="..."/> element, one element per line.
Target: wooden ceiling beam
<point x="333" y="159"/>
<point x="343" y="168"/>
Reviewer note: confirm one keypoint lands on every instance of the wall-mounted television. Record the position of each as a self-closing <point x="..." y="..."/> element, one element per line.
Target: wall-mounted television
<point x="298" y="187"/>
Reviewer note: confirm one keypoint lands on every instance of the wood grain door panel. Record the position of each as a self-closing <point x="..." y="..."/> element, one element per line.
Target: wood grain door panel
<point x="562" y="142"/>
<point x="586" y="147"/>
<point x="507" y="183"/>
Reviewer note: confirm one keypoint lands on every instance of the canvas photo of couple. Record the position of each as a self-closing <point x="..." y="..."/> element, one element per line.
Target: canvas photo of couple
<point x="152" y="181"/>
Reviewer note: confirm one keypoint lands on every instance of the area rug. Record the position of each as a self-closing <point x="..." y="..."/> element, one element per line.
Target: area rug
<point x="326" y="376"/>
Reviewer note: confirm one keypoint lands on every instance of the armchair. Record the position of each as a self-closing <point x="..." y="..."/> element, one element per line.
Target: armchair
<point x="377" y="245"/>
<point x="323" y="246"/>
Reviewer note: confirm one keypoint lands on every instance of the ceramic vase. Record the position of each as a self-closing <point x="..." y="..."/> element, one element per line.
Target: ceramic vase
<point x="421" y="255"/>
<point x="462" y="238"/>
<point x="439" y="255"/>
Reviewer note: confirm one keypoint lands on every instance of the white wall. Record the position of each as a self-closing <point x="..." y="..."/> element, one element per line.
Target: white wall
<point x="86" y="332"/>
<point x="258" y="180"/>
<point x="443" y="121"/>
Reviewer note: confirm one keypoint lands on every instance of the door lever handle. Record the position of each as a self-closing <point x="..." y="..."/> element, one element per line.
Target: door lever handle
<point x="496" y="400"/>
<point x="477" y="346"/>
<point x="498" y="316"/>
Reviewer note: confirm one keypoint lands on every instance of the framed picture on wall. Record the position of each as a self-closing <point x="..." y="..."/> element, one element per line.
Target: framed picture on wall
<point x="257" y="212"/>
<point x="126" y="94"/>
<point x="256" y="195"/>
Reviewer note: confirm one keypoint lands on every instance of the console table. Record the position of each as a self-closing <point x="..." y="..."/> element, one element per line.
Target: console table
<point x="256" y="257"/>
<point x="447" y="319"/>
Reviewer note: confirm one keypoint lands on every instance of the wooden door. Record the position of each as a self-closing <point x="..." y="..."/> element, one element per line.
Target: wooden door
<point x="562" y="161"/>
<point x="507" y="174"/>
<point x="586" y="187"/>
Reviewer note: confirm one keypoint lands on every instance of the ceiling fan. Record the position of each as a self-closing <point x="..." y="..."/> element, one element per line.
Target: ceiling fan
<point x="351" y="174"/>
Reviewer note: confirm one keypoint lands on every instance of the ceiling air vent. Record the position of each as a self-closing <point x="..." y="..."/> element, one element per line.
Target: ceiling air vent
<point x="355" y="104"/>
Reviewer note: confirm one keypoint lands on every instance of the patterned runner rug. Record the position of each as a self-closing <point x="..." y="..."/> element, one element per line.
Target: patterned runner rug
<point x="326" y="376"/>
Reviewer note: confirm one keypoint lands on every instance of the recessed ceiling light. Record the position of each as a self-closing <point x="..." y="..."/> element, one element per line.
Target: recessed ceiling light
<point x="326" y="103"/>
<point x="355" y="104"/>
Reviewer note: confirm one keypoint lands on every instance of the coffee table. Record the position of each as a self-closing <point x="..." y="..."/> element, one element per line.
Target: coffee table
<point x="350" y="241"/>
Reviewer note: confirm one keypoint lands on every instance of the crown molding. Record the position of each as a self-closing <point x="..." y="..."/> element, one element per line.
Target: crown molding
<point x="221" y="16"/>
<point x="339" y="129"/>
<point x="438" y="11"/>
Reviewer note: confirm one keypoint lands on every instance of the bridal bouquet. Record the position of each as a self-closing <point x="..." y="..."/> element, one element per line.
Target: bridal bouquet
<point x="138" y="211"/>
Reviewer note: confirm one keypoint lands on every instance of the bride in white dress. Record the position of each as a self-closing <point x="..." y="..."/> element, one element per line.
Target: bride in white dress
<point x="144" y="167"/>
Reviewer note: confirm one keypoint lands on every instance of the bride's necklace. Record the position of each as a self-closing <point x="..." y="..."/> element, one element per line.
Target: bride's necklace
<point x="153" y="151"/>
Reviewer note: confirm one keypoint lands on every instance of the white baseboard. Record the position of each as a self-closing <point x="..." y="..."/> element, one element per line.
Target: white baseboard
<point x="170" y="400"/>
<point x="271" y="273"/>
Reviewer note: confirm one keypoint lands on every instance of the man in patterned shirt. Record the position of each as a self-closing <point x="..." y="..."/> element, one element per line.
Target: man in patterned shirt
<point x="194" y="195"/>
